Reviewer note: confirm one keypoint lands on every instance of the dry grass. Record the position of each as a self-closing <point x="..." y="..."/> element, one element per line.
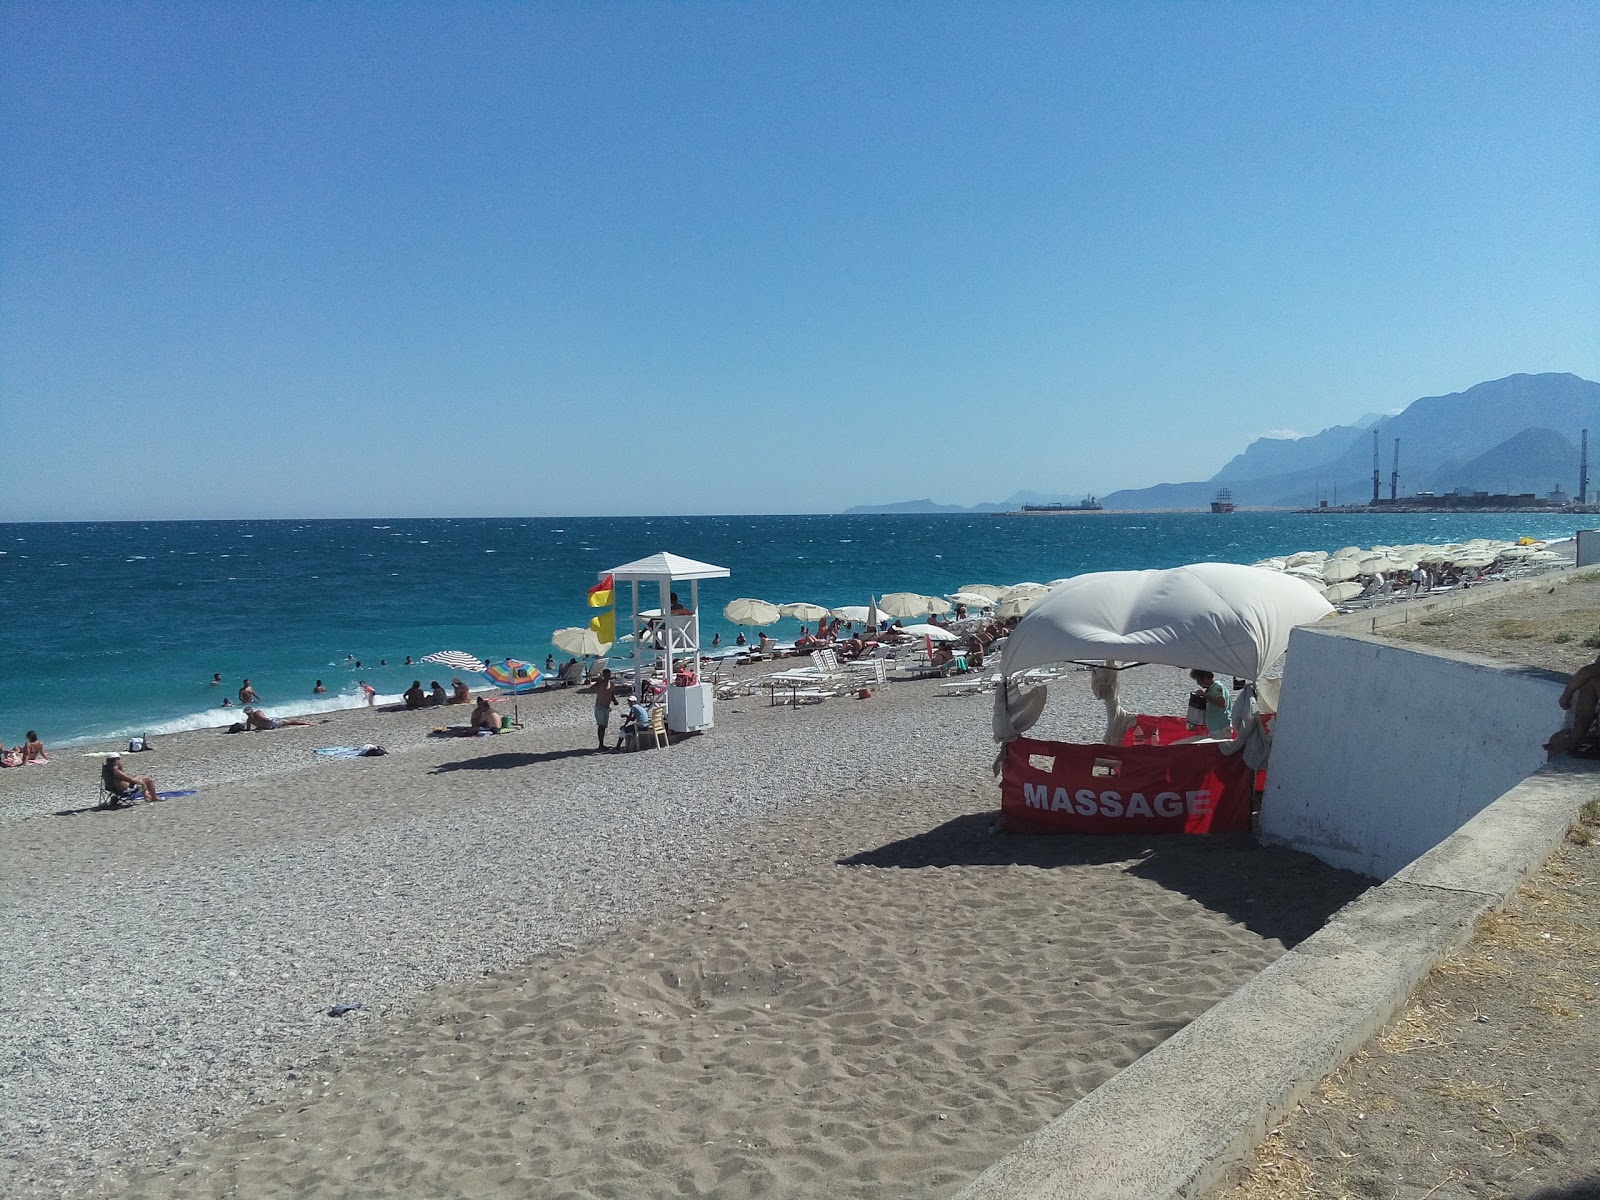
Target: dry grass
<point x="1555" y="1006"/>
<point x="1518" y="630"/>
<point x="1420" y="1027"/>
<point x="1476" y="967"/>
<point x="1469" y="1091"/>
<point x="1276" y="1173"/>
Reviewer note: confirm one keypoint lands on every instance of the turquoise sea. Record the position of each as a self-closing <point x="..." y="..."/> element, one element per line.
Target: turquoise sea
<point x="117" y="628"/>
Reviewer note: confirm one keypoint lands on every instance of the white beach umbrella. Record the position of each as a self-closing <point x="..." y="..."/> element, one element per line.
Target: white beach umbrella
<point x="935" y="632"/>
<point x="1337" y="593"/>
<point x="1311" y="571"/>
<point x="456" y="660"/>
<point x="1337" y="570"/>
<point x="801" y="611"/>
<point x="904" y="604"/>
<point x="983" y="589"/>
<point x="971" y="599"/>
<point x="1015" y="606"/>
<point x="1307" y="558"/>
<point x="937" y="606"/>
<point x="852" y="612"/>
<point x="1023" y="591"/>
<point x="579" y="640"/>
<point x="745" y="611"/>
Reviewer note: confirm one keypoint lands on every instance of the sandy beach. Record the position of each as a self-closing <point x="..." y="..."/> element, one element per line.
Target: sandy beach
<point x="785" y="957"/>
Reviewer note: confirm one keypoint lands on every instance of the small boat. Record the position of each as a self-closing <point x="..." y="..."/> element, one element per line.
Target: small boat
<point x="1223" y="502"/>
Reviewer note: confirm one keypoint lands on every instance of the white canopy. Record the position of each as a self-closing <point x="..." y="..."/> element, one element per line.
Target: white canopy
<point x="665" y="566"/>
<point x="1218" y="617"/>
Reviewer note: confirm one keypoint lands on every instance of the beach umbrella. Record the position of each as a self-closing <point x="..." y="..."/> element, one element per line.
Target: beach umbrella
<point x="931" y="631"/>
<point x="579" y="640"/>
<point x="1015" y="606"/>
<point x="937" y="606"/>
<point x="1337" y="593"/>
<point x="1337" y="570"/>
<point x="1023" y="591"/>
<point x="456" y="660"/>
<point x="513" y="674"/>
<point x="745" y="611"/>
<point x="971" y="599"/>
<point x="802" y="611"/>
<point x="983" y="589"/>
<point x="904" y="604"/>
<point x="852" y="612"/>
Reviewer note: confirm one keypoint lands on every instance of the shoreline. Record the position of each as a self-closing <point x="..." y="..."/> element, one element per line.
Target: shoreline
<point x="212" y="719"/>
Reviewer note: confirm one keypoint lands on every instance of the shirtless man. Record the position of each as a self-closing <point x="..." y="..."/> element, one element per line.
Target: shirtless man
<point x="119" y="783"/>
<point x="247" y="694"/>
<point x="1581" y="698"/>
<point x="606" y="693"/>
<point x="484" y="717"/>
<point x="255" y="719"/>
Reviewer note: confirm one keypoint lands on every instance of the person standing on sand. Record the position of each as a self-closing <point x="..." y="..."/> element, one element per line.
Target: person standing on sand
<point x="606" y="691"/>
<point x="247" y="694"/>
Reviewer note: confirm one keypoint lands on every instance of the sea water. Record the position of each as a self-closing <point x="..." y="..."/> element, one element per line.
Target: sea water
<point x="112" y="629"/>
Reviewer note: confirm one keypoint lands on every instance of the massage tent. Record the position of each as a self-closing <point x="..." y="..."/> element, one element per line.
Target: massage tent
<point x="1220" y="617"/>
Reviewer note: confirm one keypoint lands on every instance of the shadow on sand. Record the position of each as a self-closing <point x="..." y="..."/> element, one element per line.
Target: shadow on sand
<point x="1275" y="893"/>
<point x="507" y="762"/>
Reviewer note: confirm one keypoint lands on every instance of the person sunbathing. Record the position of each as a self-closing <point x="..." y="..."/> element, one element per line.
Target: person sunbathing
<point x="437" y="694"/>
<point x="414" y="696"/>
<point x="32" y="750"/>
<point x="255" y="720"/>
<point x="460" y="693"/>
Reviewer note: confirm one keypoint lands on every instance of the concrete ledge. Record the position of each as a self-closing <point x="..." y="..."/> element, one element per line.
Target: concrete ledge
<point x="1171" y="1123"/>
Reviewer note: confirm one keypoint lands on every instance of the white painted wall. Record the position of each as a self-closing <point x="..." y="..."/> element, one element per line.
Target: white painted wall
<point x="1381" y="752"/>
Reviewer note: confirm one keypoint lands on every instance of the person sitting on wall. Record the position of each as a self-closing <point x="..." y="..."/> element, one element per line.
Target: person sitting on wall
<point x="1580" y="699"/>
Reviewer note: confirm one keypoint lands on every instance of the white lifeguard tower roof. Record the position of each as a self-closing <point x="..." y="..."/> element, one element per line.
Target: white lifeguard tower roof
<point x="664" y="566"/>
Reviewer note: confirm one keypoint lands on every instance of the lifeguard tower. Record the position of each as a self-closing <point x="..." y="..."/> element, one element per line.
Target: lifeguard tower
<point x="692" y="708"/>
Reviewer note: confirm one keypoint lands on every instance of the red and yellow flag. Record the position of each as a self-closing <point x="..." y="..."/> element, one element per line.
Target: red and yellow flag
<point x="600" y="593"/>
<point x="604" y="626"/>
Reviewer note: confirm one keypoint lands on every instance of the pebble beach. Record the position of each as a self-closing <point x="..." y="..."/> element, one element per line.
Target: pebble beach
<point x="167" y="971"/>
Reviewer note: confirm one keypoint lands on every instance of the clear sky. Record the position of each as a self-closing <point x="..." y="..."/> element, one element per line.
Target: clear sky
<point x="324" y="259"/>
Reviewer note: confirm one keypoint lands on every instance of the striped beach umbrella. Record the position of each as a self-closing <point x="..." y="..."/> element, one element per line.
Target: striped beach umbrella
<point x="456" y="660"/>
<point x="513" y="674"/>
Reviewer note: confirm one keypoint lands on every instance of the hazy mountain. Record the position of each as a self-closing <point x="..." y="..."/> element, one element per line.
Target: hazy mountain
<point x="1266" y="457"/>
<point x="1435" y="432"/>
<point x="1534" y="460"/>
<point x="1013" y="502"/>
<point x="904" y="506"/>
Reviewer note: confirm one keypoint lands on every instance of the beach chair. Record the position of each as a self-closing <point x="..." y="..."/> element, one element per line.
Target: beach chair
<point x="658" y="726"/>
<point x="108" y="799"/>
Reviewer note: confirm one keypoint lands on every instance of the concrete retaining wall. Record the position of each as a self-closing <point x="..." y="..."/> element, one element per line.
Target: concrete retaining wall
<point x="1382" y="752"/>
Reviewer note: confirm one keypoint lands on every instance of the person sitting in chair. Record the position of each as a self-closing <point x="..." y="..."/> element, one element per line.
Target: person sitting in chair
<point x="119" y="784"/>
<point x="636" y="724"/>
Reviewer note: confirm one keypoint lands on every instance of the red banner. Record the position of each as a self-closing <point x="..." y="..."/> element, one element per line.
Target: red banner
<point x="1057" y="787"/>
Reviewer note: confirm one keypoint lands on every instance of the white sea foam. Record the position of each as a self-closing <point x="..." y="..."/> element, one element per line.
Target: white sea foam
<point x="221" y="718"/>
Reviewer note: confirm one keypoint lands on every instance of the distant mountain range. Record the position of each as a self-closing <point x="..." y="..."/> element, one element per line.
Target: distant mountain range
<point x="1518" y="434"/>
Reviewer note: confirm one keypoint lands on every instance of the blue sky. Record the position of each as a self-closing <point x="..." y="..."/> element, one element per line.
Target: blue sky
<point x="478" y="259"/>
